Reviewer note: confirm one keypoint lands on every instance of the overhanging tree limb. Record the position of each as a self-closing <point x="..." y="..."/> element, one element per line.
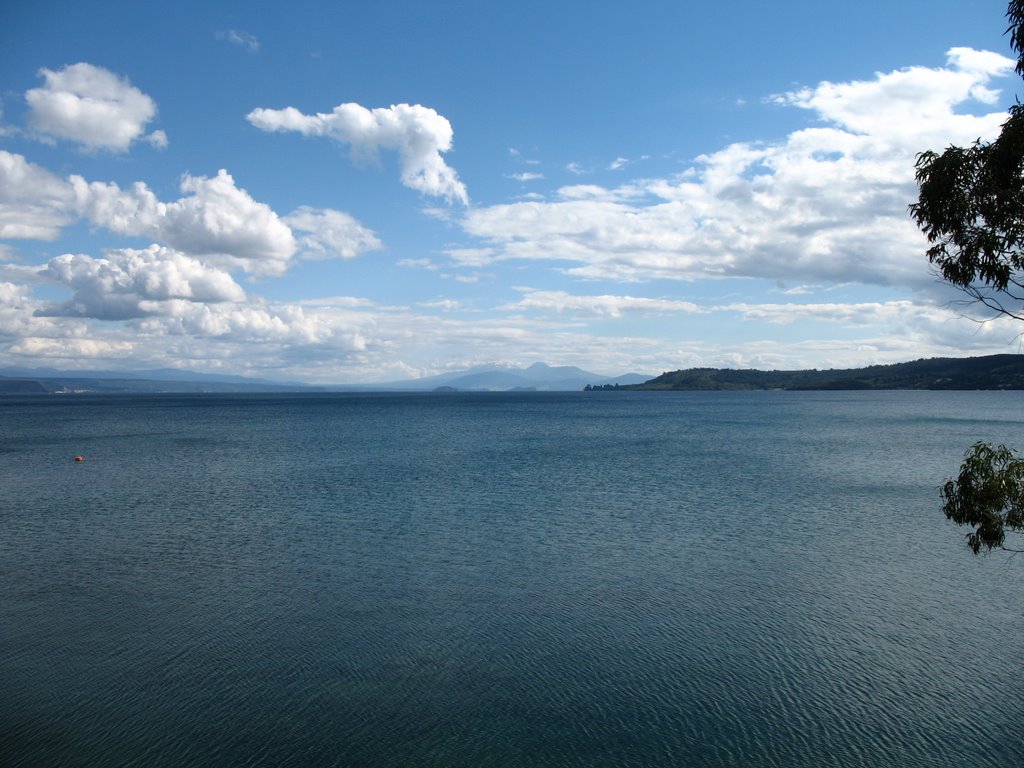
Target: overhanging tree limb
<point x="971" y="208"/>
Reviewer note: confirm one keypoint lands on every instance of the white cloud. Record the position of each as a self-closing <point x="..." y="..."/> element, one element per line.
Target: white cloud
<point x="69" y="349"/>
<point x="91" y="106"/>
<point x="891" y="314"/>
<point x="16" y="306"/>
<point x="313" y="343"/>
<point x="34" y="203"/>
<point x="218" y="218"/>
<point x="515" y="153"/>
<point x="597" y="192"/>
<point x="338" y="339"/>
<point x="912" y="109"/>
<point x="241" y="39"/>
<point x="471" y="278"/>
<point x="135" y="283"/>
<point x="471" y="257"/>
<point x="418" y="263"/>
<point x="848" y="315"/>
<point x="419" y="135"/>
<point x="157" y="139"/>
<point x="330" y="233"/>
<point x="609" y="305"/>
<point x="828" y="204"/>
<point x="215" y="219"/>
<point x="249" y="336"/>
<point x="445" y="305"/>
<point x="33" y="339"/>
<point x="527" y="176"/>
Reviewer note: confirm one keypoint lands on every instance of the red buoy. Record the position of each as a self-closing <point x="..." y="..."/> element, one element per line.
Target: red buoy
<point x="79" y="458"/>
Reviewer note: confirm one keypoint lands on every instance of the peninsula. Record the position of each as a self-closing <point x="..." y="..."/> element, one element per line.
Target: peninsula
<point x="944" y="373"/>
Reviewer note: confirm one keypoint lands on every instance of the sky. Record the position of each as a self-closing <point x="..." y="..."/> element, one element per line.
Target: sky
<point x="349" y="192"/>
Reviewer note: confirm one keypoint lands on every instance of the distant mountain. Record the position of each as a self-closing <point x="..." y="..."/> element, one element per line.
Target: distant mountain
<point x="156" y="374"/>
<point x="538" y="377"/>
<point x="50" y="380"/>
<point x="990" y="372"/>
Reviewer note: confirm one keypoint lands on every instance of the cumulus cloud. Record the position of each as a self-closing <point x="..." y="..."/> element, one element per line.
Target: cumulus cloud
<point x="328" y="233"/>
<point x="91" y="106"/>
<point x="267" y="332"/>
<point x="914" y="108"/>
<point x="251" y="335"/>
<point x="218" y="218"/>
<point x="215" y="219"/>
<point x="70" y="349"/>
<point x="418" y="134"/>
<point x="34" y="203"/>
<point x="14" y="298"/>
<point x="828" y="204"/>
<point x="134" y="283"/>
<point x="51" y="340"/>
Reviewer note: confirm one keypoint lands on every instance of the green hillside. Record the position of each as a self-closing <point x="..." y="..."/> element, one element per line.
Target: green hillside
<point x="991" y="372"/>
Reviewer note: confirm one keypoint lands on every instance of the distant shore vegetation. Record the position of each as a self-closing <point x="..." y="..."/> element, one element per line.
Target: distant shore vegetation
<point x="939" y="373"/>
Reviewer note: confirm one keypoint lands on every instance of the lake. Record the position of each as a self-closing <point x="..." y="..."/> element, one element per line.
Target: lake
<point x="503" y="579"/>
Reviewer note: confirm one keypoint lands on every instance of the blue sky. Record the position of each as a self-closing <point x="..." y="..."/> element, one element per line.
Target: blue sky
<point x="353" y="192"/>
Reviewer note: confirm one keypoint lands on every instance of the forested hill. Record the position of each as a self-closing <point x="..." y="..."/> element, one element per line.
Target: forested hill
<point x="991" y="372"/>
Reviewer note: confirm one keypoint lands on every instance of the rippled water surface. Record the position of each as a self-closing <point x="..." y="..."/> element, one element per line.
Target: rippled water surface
<point x="584" y="579"/>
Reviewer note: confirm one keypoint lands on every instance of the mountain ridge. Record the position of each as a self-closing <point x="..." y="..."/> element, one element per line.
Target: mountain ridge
<point x="989" y="372"/>
<point x="493" y="377"/>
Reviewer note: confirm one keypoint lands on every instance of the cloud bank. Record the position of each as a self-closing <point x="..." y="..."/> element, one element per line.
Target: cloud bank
<point x="214" y="219"/>
<point x="825" y="205"/>
<point x="132" y="283"/>
<point x="829" y="203"/>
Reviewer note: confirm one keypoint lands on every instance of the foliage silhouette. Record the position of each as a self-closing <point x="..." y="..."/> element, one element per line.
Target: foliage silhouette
<point x="988" y="495"/>
<point x="971" y="207"/>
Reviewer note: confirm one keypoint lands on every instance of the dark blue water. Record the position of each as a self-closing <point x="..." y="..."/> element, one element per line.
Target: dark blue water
<point x="600" y="579"/>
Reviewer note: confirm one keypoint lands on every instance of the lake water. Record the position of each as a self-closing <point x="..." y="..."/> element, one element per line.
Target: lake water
<point x="578" y="579"/>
